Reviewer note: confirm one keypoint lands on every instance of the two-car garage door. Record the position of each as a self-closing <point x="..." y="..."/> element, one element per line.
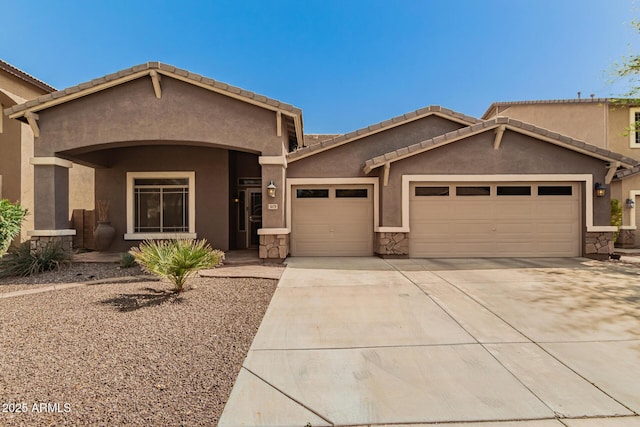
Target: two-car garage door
<point x="332" y="220"/>
<point x="494" y="219"/>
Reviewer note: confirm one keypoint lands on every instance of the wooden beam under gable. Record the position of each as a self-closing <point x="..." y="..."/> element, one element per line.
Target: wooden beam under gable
<point x="613" y="167"/>
<point x="32" y="119"/>
<point x="499" y="133"/>
<point x="387" y="169"/>
<point x="278" y="123"/>
<point x="1" y="116"/>
<point x="155" y="79"/>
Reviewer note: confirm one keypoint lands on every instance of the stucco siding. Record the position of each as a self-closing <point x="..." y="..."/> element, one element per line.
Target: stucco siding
<point x="518" y="154"/>
<point x="18" y="86"/>
<point x="131" y="112"/>
<point x="211" y="187"/>
<point x="619" y="122"/>
<point x="585" y="122"/>
<point x="10" y="140"/>
<point x="347" y="160"/>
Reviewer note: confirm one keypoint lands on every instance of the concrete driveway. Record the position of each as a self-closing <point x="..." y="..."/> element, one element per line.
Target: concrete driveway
<point x="506" y="342"/>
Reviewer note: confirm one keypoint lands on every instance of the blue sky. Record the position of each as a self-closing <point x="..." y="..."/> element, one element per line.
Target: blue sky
<point x="346" y="63"/>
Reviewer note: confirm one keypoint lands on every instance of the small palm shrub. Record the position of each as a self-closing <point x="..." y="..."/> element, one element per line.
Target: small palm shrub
<point x="127" y="260"/>
<point x="11" y="217"/>
<point x="22" y="261"/>
<point x="176" y="260"/>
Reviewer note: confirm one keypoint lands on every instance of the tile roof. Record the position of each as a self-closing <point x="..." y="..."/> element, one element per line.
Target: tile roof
<point x="379" y="127"/>
<point x="484" y="126"/>
<point x="5" y="66"/>
<point x="626" y="173"/>
<point x="316" y="138"/>
<point x="165" y="69"/>
<point x="494" y="105"/>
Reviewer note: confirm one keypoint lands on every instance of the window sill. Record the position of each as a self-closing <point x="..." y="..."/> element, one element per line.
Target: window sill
<point x="159" y="236"/>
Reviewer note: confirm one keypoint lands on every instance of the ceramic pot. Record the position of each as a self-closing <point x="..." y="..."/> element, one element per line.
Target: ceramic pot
<point x="103" y="235"/>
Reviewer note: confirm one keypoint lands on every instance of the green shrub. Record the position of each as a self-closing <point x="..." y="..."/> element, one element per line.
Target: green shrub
<point x="127" y="260"/>
<point x="616" y="216"/>
<point x="11" y="217"/>
<point x="22" y="261"/>
<point x="176" y="260"/>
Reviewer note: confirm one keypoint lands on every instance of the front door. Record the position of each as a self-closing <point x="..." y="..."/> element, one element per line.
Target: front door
<point x="254" y="204"/>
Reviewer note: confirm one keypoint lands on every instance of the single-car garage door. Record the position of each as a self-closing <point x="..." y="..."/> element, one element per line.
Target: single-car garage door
<point x="332" y="220"/>
<point x="494" y="219"/>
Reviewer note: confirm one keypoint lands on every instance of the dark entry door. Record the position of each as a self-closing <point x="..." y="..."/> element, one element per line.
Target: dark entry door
<point x="255" y="216"/>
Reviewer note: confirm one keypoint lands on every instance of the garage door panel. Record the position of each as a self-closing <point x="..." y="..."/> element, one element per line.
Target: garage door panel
<point x="332" y="226"/>
<point x="505" y="225"/>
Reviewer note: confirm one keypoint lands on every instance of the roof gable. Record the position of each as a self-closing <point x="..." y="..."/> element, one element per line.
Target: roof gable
<point x="380" y="127"/>
<point x="138" y="71"/>
<point x="500" y="124"/>
<point x="291" y="115"/>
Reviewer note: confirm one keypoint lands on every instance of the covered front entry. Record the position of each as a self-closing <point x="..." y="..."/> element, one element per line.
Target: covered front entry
<point x="488" y="219"/>
<point x="332" y="220"/>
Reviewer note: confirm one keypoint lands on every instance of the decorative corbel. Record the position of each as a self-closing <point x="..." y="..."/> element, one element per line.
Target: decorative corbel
<point x="385" y="178"/>
<point x="498" y="139"/>
<point x="155" y="79"/>
<point x="278" y="123"/>
<point x="613" y="167"/>
<point x="32" y="119"/>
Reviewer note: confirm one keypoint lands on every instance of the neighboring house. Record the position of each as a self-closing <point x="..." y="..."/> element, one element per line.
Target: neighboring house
<point x="17" y="147"/>
<point x="177" y="154"/>
<point x="598" y="121"/>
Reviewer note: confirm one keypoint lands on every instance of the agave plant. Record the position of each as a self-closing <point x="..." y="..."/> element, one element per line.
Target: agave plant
<point x="176" y="260"/>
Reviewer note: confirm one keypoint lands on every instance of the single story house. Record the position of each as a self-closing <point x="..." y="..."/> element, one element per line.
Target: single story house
<point x="177" y="154"/>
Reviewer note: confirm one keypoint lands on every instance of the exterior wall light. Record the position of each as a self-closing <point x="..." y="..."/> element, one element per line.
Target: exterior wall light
<point x="631" y="203"/>
<point x="601" y="190"/>
<point x="271" y="189"/>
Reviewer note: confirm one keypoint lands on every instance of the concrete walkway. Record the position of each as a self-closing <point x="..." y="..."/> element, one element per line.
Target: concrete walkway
<point x="500" y="342"/>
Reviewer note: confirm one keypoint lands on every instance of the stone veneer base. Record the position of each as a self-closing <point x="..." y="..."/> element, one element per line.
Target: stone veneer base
<point x="40" y="242"/>
<point x="626" y="239"/>
<point x="392" y="244"/>
<point x="274" y="246"/>
<point x="598" y="243"/>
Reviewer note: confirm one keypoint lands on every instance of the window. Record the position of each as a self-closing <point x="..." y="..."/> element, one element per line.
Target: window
<point x="473" y="191"/>
<point x="634" y="137"/>
<point x="305" y="193"/>
<point x="554" y="190"/>
<point x="432" y="191"/>
<point x="509" y="190"/>
<point x="160" y="205"/>
<point x="360" y="193"/>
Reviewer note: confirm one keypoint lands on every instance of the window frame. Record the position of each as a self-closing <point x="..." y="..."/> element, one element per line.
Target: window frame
<point x="634" y="137"/>
<point x="130" y="201"/>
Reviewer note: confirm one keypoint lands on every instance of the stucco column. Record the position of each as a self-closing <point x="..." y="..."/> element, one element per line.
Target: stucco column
<point x="274" y="236"/>
<point x="51" y="199"/>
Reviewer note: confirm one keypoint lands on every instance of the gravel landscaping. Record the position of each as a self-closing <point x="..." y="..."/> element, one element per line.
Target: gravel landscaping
<point x="124" y="353"/>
